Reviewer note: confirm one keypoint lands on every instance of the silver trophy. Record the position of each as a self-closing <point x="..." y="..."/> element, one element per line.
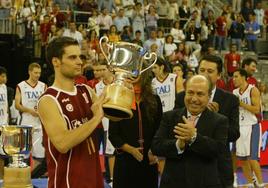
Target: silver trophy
<point x="16" y="141"/>
<point x="126" y="60"/>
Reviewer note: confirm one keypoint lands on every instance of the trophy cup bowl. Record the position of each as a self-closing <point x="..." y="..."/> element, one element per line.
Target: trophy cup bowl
<point x="126" y="61"/>
<point x="15" y="142"/>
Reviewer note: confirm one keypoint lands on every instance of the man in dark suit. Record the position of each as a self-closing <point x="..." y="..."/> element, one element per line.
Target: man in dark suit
<point x="184" y="13"/>
<point x="191" y="145"/>
<point x="224" y="103"/>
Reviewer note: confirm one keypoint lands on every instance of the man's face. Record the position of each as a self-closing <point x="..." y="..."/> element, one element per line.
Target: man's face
<point x="239" y="19"/>
<point x="46" y="19"/>
<point x="105" y="71"/>
<point x="251" y="68"/>
<point x="211" y="50"/>
<point x="138" y="35"/>
<point x="72" y="27"/>
<point x="251" y="17"/>
<point x="238" y="79"/>
<point x="53" y="28"/>
<point x="210" y="13"/>
<point x="121" y="13"/>
<point x="56" y="8"/>
<point x="99" y="71"/>
<point x="105" y="11"/>
<point x="233" y="48"/>
<point x="196" y="96"/>
<point x="138" y="6"/>
<point x="3" y="78"/>
<point x="209" y="69"/>
<point x="192" y="23"/>
<point x="35" y="74"/>
<point x="153" y="35"/>
<point x="70" y="65"/>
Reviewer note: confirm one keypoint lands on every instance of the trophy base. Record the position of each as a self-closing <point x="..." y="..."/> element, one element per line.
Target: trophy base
<point x="119" y="105"/>
<point x="17" y="178"/>
<point x="116" y="113"/>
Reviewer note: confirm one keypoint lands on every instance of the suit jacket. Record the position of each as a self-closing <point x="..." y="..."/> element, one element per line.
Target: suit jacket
<point x="228" y="106"/>
<point x="196" y="167"/>
<point x="184" y="14"/>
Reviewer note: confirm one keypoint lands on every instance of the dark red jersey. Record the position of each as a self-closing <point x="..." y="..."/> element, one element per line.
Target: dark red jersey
<point x="80" y="166"/>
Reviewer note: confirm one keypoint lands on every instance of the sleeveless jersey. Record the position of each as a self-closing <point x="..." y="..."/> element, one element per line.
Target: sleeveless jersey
<point x="80" y="166"/>
<point x="99" y="87"/>
<point x="109" y="148"/>
<point x="166" y="90"/>
<point x="245" y="116"/>
<point x="3" y="105"/>
<point x="29" y="98"/>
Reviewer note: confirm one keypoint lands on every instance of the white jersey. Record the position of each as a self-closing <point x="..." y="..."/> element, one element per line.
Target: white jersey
<point x="99" y="89"/>
<point x="246" y="117"/>
<point x="29" y="98"/>
<point x="3" y="105"/>
<point x="166" y="90"/>
<point x="109" y="149"/>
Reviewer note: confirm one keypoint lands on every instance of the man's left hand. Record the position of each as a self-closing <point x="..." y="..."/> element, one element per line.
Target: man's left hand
<point x="185" y="131"/>
<point x="213" y="106"/>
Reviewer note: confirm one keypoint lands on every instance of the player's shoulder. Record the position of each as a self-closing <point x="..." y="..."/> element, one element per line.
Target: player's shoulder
<point x="84" y="87"/>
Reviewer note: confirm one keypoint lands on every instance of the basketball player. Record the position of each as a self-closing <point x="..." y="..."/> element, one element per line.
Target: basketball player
<point x="248" y="145"/>
<point x="250" y="66"/>
<point x="3" y="111"/>
<point x="69" y="114"/>
<point x="3" y="97"/>
<point x="107" y="78"/>
<point x="26" y="98"/>
<point x="164" y="84"/>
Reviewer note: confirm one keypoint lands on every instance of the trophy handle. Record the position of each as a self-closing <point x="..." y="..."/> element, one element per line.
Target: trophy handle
<point x="105" y="38"/>
<point x="148" y="56"/>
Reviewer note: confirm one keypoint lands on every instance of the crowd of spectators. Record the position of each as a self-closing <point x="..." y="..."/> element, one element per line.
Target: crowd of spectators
<point x="177" y="31"/>
<point x="180" y="32"/>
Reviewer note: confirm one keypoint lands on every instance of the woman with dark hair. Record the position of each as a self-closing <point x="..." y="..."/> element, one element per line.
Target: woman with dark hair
<point x="113" y="34"/>
<point x="93" y="40"/>
<point x="135" y="165"/>
<point x="164" y="84"/>
<point x="169" y="47"/>
<point x="177" y="32"/>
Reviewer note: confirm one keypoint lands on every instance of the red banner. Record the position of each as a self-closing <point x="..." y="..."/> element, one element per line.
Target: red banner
<point x="264" y="144"/>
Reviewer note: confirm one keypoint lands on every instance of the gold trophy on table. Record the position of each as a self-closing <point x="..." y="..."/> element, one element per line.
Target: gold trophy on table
<point x="126" y="61"/>
<point x="15" y="141"/>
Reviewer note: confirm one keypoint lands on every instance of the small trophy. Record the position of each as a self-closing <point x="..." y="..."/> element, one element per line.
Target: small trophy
<point x="126" y="61"/>
<point x="15" y="142"/>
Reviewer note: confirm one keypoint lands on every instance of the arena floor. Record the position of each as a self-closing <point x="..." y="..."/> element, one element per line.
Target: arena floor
<point x="42" y="183"/>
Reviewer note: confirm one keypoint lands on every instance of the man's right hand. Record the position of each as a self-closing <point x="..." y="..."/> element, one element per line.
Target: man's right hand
<point x="97" y="106"/>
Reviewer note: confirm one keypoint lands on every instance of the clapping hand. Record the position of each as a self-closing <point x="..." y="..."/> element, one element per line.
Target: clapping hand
<point x="213" y="106"/>
<point x="185" y="131"/>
